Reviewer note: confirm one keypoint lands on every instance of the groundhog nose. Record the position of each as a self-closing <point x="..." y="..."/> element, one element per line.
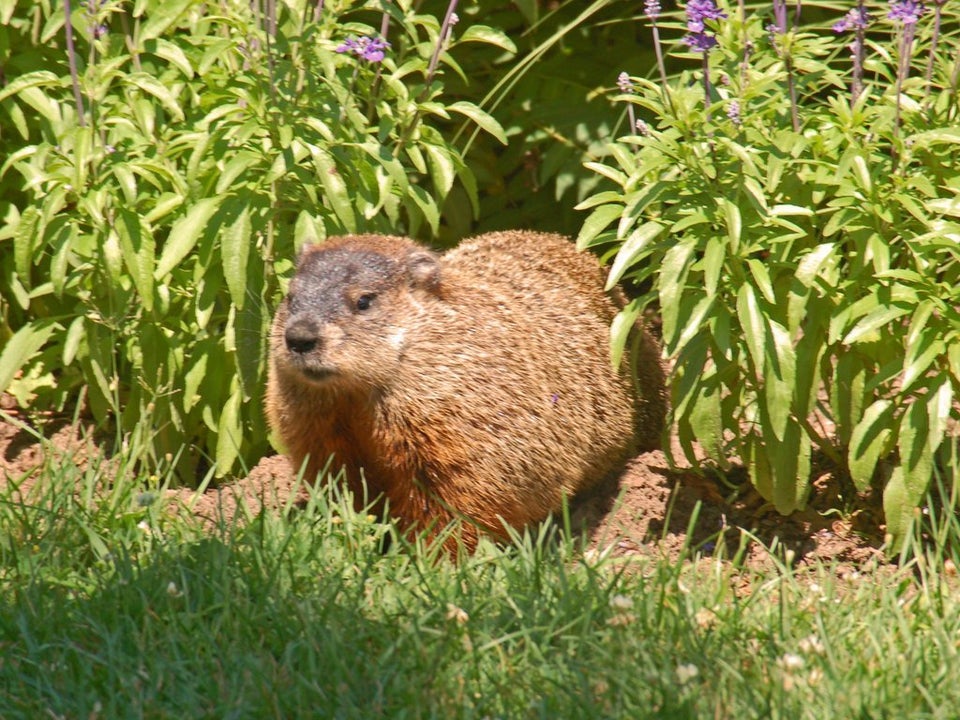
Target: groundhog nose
<point x="301" y="337"/>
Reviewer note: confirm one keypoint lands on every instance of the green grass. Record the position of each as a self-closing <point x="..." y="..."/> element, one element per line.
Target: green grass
<point x="117" y="609"/>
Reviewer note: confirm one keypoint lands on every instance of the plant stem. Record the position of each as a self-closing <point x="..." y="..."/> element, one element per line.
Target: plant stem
<point x="441" y="41"/>
<point x="938" y="7"/>
<point x="72" y="59"/>
<point x="661" y="66"/>
<point x="903" y="69"/>
<point x="860" y="32"/>
<point x="706" y="87"/>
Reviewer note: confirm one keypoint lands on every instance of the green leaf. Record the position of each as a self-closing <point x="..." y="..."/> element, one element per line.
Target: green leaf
<point x="946" y="135"/>
<point x="920" y="355"/>
<point x="597" y="222"/>
<point x="631" y="249"/>
<point x="868" y="326"/>
<point x="482" y="119"/>
<point x="713" y="259"/>
<point x="758" y="465"/>
<point x="706" y="417"/>
<point x="229" y="432"/>
<point x="916" y="457"/>
<point x="786" y="210"/>
<point x="235" y="242"/>
<point x="488" y="35"/>
<point x="24" y="241"/>
<point x="427" y="206"/>
<point x="762" y="277"/>
<point x="779" y="378"/>
<point x="754" y="329"/>
<point x="443" y="169"/>
<point x="734" y="223"/>
<point x="161" y="17"/>
<point x="161" y="92"/>
<point x="308" y="230"/>
<point x="807" y="271"/>
<point x="898" y="511"/>
<point x="184" y="235"/>
<point x="789" y="464"/>
<point x="38" y="79"/>
<point x="139" y="253"/>
<point x="671" y="285"/>
<point x="608" y="172"/>
<point x="336" y="193"/>
<point x="22" y="346"/>
<point x="694" y="322"/>
<point x="944" y="206"/>
<point x="620" y="329"/>
<point x="938" y="408"/>
<point x="869" y="441"/>
<point x="174" y="55"/>
<point x="71" y="344"/>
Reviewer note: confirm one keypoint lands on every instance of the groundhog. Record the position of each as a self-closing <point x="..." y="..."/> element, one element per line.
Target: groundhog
<point x="476" y="384"/>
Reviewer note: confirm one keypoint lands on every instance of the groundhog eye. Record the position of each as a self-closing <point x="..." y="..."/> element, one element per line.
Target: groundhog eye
<point x="365" y="301"/>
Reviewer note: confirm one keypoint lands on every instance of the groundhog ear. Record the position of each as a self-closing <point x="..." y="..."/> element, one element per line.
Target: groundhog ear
<point x="424" y="270"/>
<point x="305" y="250"/>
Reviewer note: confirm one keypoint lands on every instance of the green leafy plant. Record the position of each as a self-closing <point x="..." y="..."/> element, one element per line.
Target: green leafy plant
<point x="795" y="215"/>
<point x="171" y="158"/>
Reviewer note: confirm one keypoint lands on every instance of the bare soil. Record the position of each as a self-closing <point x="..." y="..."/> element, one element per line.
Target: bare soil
<point x="650" y="509"/>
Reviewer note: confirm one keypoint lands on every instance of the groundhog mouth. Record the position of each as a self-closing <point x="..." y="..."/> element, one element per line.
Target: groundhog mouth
<point x="318" y="375"/>
<point x="314" y="374"/>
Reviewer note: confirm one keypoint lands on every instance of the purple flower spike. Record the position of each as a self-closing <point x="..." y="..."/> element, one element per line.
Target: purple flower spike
<point x="651" y="8"/>
<point x="698" y="12"/>
<point x="624" y="83"/>
<point x="906" y="11"/>
<point x="370" y="48"/>
<point x="733" y="112"/>
<point x="856" y="19"/>
<point x="700" y="42"/>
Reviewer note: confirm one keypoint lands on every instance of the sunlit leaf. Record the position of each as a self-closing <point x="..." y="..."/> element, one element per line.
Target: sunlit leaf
<point x="483" y="120"/>
<point x="184" y="235"/>
<point x="754" y="328"/>
<point x="869" y="441"/>
<point x="22" y="346"/>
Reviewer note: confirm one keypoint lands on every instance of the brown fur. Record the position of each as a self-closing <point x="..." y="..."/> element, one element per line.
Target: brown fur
<point x="477" y="383"/>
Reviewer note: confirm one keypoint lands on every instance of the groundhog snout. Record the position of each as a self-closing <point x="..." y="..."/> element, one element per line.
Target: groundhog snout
<point x="301" y="336"/>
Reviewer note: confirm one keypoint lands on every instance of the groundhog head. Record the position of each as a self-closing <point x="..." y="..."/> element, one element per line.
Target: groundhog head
<point x="346" y="317"/>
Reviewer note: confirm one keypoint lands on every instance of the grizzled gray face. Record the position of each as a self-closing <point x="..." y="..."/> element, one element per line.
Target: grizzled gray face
<point x="347" y="313"/>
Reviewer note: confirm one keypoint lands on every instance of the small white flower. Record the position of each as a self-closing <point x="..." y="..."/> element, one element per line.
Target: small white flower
<point x="621" y="602"/>
<point x="686" y="673"/>
<point x="173" y="590"/>
<point x="791" y="662"/>
<point x="811" y="645"/>
<point x="457" y="614"/>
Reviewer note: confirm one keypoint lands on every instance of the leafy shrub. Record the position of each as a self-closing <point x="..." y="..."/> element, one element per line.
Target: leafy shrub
<point x="794" y="210"/>
<point x="171" y="156"/>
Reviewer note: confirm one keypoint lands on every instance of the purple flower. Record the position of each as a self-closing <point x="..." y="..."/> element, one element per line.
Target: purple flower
<point x="905" y="11"/>
<point x="624" y="83"/>
<point x="733" y="112"/>
<point x="858" y="18"/>
<point x="698" y="12"/>
<point x="651" y="8"/>
<point x="700" y="42"/>
<point x="370" y="47"/>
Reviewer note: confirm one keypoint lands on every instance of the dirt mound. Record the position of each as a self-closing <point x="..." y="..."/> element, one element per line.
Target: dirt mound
<point x="650" y="509"/>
